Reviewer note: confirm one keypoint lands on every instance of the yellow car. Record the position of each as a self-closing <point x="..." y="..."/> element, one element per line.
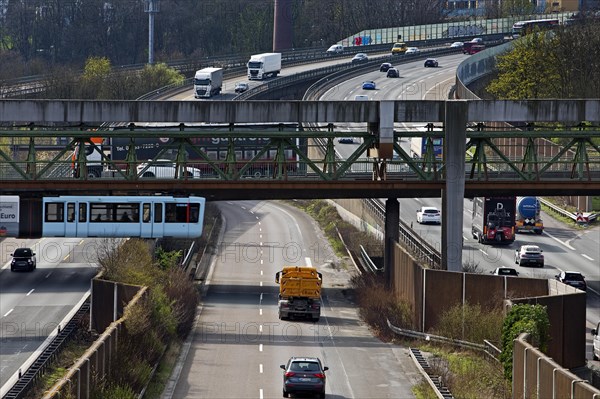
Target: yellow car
<point x="399" y="48"/>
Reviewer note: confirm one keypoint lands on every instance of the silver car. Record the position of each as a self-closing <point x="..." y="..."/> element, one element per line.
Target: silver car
<point x="165" y="169"/>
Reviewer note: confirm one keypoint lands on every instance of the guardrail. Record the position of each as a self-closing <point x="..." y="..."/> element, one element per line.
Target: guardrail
<point x="367" y="262"/>
<point x="590" y="217"/>
<point x="487" y="347"/>
<point x="36" y="369"/>
<point x="422" y="250"/>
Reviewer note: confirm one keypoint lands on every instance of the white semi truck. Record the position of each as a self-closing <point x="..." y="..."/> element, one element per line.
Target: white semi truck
<point x="208" y="82"/>
<point x="264" y="65"/>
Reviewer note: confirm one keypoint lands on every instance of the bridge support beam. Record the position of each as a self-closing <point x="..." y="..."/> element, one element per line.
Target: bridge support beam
<point x="392" y="234"/>
<point x="453" y="195"/>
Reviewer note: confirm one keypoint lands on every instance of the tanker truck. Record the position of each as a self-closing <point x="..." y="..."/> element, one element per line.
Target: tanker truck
<point x="528" y="215"/>
<point x="299" y="292"/>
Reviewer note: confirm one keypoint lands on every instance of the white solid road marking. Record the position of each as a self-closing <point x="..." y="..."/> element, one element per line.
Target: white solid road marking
<point x="587" y="257"/>
<point x="9" y="312"/>
<point x="29" y="293"/>
<point x="557" y="240"/>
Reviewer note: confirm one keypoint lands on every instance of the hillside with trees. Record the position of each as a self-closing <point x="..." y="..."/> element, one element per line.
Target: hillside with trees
<point x="35" y="33"/>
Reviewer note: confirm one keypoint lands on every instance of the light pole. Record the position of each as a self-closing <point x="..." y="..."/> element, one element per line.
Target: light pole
<point x="151" y="7"/>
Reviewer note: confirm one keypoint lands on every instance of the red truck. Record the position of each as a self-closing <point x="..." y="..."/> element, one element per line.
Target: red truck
<point x="494" y="220"/>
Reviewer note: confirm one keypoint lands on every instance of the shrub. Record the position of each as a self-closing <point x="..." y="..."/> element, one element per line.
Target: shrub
<point x="471" y="323"/>
<point x="377" y="304"/>
<point x="523" y="318"/>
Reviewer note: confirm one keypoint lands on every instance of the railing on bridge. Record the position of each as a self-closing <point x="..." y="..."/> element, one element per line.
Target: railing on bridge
<point x="282" y="153"/>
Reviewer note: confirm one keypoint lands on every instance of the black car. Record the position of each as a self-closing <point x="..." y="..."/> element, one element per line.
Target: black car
<point x="384" y="67"/>
<point x="392" y="73"/>
<point x="431" y="63"/>
<point x="574" y="279"/>
<point x="305" y="375"/>
<point x="23" y="259"/>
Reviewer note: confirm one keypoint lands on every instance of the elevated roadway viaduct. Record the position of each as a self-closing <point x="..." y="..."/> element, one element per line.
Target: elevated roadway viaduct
<point x="379" y="116"/>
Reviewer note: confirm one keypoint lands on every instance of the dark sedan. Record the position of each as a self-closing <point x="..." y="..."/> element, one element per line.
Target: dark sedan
<point x="384" y="67"/>
<point x="431" y="63"/>
<point x="360" y="57"/>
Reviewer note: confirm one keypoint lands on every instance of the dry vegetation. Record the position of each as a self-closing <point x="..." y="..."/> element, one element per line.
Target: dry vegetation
<point x="467" y="374"/>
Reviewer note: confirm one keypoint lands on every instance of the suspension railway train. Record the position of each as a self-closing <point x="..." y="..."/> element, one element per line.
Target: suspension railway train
<point x="102" y="216"/>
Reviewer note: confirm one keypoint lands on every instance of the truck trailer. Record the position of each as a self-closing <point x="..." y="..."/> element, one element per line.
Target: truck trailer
<point x="264" y="65"/>
<point x="418" y="147"/>
<point x="528" y="215"/>
<point x="493" y="220"/>
<point x="299" y="292"/>
<point x="105" y="154"/>
<point x="208" y="82"/>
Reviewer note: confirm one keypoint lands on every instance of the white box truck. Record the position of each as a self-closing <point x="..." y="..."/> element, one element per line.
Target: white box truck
<point x="208" y="82"/>
<point x="264" y="65"/>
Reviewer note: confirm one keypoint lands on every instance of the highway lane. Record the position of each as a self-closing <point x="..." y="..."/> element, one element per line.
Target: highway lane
<point x="32" y="305"/>
<point x="239" y="342"/>
<point x="229" y="84"/>
<point x="565" y="248"/>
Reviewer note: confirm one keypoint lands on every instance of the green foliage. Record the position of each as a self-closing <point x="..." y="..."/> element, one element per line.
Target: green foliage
<point x="527" y="72"/>
<point x="165" y="314"/>
<point x="113" y="391"/>
<point x="557" y="64"/>
<point x="523" y="318"/>
<point x="158" y="75"/>
<point x="167" y="259"/>
<point x="472" y="323"/>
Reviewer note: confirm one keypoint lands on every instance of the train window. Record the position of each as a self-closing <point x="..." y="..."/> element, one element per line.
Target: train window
<point x="82" y="212"/>
<point x="127" y="212"/>
<point x="146" y="212"/>
<point x="194" y="213"/>
<point x="101" y="212"/>
<point x="70" y="212"/>
<point x="158" y="213"/>
<point x="55" y="212"/>
<point x="182" y="213"/>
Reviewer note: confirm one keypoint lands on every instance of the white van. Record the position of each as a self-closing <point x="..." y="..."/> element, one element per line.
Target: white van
<point x="335" y="49"/>
<point x="596" y="342"/>
<point x="361" y="97"/>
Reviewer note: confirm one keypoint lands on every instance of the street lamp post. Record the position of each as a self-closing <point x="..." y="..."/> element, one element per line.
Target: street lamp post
<point x="151" y="7"/>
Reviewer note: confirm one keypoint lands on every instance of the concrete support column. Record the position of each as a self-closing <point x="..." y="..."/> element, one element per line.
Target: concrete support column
<point x="455" y="139"/>
<point x="392" y="233"/>
<point x="282" y="25"/>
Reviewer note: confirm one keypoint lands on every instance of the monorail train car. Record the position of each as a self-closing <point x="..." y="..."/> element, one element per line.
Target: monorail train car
<point x="122" y="216"/>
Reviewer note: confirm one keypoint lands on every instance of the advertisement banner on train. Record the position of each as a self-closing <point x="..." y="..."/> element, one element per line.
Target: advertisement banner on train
<point x="9" y="215"/>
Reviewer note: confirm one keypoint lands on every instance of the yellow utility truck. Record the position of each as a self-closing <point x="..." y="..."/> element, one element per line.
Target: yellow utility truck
<point x="299" y="292"/>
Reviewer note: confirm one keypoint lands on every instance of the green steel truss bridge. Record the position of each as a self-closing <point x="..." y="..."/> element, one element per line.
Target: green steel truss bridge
<point x="292" y="149"/>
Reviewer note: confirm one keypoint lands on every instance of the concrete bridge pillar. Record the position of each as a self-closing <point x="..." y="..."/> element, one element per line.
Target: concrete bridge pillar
<point x="455" y="139"/>
<point x="392" y="234"/>
<point x="282" y="25"/>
